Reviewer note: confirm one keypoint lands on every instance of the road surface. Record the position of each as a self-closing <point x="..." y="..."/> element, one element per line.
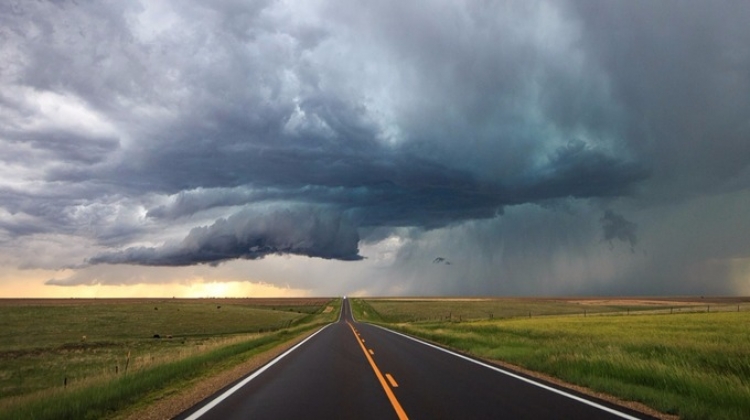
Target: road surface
<point x="352" y="370"/>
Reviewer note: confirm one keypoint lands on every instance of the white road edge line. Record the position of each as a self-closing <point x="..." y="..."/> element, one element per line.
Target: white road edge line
<point x="245" y="381"/>
<point x="511" y="374"/>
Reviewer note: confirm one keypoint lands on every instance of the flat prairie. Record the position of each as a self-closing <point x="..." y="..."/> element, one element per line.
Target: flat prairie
<point x="422" y="309"/>
<point x="47" y="345"/>
<point x="687" y="357"/>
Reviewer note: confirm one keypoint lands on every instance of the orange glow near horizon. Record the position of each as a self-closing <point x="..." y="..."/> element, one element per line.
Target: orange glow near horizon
<point x="30" y="284"/>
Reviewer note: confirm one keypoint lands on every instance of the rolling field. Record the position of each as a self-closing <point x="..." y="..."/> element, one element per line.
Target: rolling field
<point x="57" y="347"/>
<point x="694" y="362"/>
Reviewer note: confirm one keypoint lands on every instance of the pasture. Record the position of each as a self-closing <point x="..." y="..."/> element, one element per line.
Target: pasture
<point x="57" y="347"/>
<point x="693" y="362"/>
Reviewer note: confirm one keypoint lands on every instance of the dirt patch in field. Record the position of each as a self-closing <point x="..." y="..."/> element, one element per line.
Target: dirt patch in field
<point x="657" y="301"/>
<point x="627" y="302"/>
<point x="328" y="310"/>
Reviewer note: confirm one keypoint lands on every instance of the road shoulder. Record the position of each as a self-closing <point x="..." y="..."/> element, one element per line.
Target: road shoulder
<point x="632" y="405"/>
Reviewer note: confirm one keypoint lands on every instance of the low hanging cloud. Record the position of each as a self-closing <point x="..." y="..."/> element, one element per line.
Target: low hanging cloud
<point x="251" y="235"/>
<point x="616" y="227"/>
<point x="219" y="131"/>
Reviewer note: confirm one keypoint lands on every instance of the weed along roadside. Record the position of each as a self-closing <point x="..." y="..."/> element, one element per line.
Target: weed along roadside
<point x="693" y="363"/>
<point x="122" y="367"/>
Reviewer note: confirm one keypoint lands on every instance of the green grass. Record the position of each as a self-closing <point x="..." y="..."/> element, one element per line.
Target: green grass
<point x="456" y="310"/>
<point x="45" y="325"/>
<point x="41" y="345"/>
<point x="101" y="400"/>
<point x="695" y="365"/>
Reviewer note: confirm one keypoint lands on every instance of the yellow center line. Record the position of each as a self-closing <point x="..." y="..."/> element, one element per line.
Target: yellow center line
<point x="388" y="392"/>
<point x="391" y="380"/>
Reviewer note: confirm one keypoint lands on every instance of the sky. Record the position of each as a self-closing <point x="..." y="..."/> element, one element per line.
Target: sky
<point x="425" y="148"/>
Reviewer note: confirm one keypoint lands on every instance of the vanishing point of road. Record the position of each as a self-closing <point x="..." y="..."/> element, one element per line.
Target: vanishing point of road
<point x="352" y="370"/>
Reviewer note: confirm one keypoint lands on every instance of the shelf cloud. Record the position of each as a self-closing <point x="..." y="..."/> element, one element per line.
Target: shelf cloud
<point x="540" y="147"/>
<point x="245" y="235"/>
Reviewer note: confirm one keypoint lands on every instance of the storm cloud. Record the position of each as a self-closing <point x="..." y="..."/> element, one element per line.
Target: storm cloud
<point x="617" y="227"/>
<point x="251" y="236"/>
<point x="380" y="134"/>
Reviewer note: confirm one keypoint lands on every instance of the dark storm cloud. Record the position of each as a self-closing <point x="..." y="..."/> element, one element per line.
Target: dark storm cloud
<point x="248" y="235"/>
<point x="617" y="227"/>
<point x="576" y="171"/>
<point x="380" y="187"/>
<point x="416" y="194"/>
<point x="235" y="130"/>
<point x="679" y="70"/>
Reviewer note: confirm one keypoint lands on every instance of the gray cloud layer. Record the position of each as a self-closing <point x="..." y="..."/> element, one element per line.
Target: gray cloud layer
<point x="188" y="133"/>
<point x="248" y="235"/>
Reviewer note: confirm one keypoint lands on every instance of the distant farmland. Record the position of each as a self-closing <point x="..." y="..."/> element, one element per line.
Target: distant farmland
<point x="395" y="310"/>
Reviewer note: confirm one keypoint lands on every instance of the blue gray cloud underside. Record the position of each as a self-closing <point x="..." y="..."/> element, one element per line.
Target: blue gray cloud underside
<point x="246" y="235"/>
<point x="363" y="193"/>
<point x="183" y="133"/>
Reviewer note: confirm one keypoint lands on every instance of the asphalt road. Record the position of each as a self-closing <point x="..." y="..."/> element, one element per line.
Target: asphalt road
<point x="351" y="370"/>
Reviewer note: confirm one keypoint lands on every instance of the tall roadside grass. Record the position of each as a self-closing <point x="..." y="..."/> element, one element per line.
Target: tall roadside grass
<point x="693" y="365"/>
<point x="363" y="310"/>
<point x="102" y="397"/>
<point x="95" y="402"/>
<point x="49" y="344"/>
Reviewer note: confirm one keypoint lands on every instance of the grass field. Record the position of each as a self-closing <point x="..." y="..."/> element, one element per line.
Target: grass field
<point x="54" y="350"/>
<point x="457" y="310"/>
<point x="695" y="365"/>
